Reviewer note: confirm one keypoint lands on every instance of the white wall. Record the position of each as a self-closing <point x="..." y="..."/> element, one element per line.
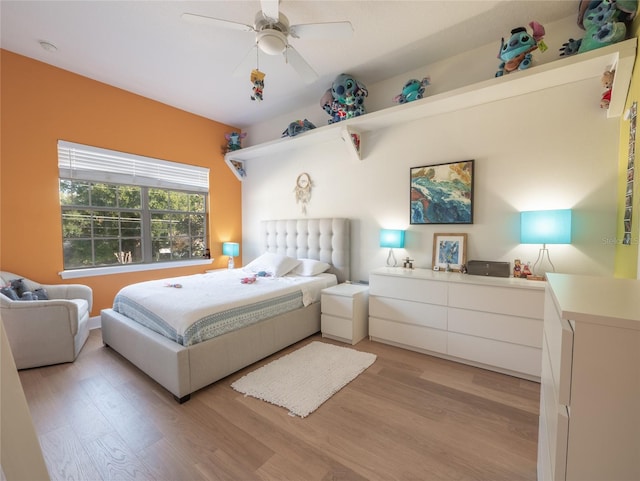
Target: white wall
<point x="552" y="149"/>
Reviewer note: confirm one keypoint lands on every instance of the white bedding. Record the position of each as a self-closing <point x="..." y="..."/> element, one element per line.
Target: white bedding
<point x="204" y="299"/>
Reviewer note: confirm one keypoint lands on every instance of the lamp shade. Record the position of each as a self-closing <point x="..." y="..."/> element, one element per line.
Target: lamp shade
<point x="392" y="238"/>
<point x="545" y="227"/>
<point x="230" y="249"/>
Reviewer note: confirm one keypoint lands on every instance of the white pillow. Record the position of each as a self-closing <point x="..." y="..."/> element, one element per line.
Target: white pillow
<point x="310" y="267"/>
<point x="274" y="264"/>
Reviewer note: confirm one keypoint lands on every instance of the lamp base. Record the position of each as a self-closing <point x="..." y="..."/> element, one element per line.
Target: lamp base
<point x="543" y="264"/>
<point x="391" y="259"/>
<point x="230" y="264"/>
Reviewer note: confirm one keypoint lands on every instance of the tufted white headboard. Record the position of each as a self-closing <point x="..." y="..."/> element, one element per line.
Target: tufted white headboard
<point x="326" y="240"/>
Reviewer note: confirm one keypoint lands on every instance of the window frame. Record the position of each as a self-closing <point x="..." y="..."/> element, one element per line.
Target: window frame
<point x="80" y="163"/>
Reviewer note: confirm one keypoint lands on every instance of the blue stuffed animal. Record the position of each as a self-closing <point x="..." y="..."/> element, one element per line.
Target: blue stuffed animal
<point x="297" y="127"/>
<point x="234" y="139"/>
<point x="412" y="90"/>
<point x="515" y="53"/>
<point x="347" y="98"/>
<point x="605" y="22"/>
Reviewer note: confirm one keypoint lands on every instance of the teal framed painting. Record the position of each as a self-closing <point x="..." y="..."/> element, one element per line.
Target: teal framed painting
<point x="442" y="193"/>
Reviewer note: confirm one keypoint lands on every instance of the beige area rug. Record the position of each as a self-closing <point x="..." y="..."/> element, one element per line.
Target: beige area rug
<point x="303" y="380"/>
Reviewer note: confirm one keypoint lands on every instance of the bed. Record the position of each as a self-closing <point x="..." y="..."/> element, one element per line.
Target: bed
<point x="182" y="365"/>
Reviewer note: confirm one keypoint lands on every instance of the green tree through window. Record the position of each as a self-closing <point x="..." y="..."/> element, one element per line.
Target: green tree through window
<point x="110" y="224"/>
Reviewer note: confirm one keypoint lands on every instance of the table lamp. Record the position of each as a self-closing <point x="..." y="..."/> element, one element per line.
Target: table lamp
<point x="545" y="227"/>
<point x="393" y="239"/>
<point x="231" y="249"/>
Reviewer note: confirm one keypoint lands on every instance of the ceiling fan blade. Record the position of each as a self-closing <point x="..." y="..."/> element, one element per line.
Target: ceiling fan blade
<point x="300" y="65"/>
<point x="326" y="31"/>
<point x="247" y="64"/>
<point x="216" y="22"/>
<point x="270" y="9"/>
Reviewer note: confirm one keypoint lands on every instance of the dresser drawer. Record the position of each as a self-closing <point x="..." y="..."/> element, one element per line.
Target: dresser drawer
<point x="411" y="289"/>
<point x="337" y="326"/>
<point x="514" y="357"/>
<point x="340" y="306"/>
<point x="555" y="420"/>
<point x="409" y="312"/>
<point x="518" y="330"/>
<point x="408" y="335"/>
<point x="512" y="301"/>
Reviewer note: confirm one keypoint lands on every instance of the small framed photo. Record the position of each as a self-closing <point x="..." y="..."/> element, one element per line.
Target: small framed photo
<point x="449" y="251"/>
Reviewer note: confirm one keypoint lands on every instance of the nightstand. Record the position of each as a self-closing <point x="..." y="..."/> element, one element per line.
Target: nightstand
<point x="345" y="311"/>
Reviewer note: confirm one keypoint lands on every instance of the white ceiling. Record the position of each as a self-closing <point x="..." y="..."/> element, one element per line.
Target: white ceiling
<point x="146" y="47"/>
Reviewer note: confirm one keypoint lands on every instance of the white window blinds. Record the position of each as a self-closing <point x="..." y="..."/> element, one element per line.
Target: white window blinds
<point x="84" y="162"/>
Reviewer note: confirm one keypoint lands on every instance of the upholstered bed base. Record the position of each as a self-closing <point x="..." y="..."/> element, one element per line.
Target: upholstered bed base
<point x="183" y="370"/>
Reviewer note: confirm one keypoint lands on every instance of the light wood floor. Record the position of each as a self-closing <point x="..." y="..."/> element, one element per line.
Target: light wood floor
<point x="408" y="417"/>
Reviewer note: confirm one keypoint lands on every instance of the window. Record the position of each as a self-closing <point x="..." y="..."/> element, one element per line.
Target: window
<point x="159" y="215"/>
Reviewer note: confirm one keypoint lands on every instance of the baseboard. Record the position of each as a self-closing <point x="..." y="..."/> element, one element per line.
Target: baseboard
<point x="94" y="322"/>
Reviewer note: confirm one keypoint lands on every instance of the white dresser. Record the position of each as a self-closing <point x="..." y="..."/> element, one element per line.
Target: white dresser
<point x="590" y="389"/>
<point x="491" y="322"/>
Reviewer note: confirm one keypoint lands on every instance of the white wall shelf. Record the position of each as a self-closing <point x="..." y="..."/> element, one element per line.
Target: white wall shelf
<point x="620" y="56"/>
<point x="237" y="166"/>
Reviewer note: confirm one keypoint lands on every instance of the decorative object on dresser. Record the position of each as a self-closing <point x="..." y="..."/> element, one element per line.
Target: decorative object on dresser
<point x="489" y="322"/>
<point x="345" y="311"/>
<point x="449" y="251"/>
<point x="407" y="263"/>
<point x="442" y="193"/>
<point x="488" y="268"/>
<point x="545" y="227"/>
<point x="590" y="389"/>
<point x="306" y="378"/>
<point x="231" y="249"/>
<point x="393" y="239"/>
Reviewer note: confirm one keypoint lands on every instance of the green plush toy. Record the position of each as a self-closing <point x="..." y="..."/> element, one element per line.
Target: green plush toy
<point x="605" y="23"/>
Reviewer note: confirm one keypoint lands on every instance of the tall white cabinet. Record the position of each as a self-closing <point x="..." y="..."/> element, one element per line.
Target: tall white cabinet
<point x="491" y="322"/>
<point x="590" y="384"/>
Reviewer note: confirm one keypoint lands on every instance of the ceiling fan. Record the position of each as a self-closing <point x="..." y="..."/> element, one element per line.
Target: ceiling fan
<point x="272" y="32"/>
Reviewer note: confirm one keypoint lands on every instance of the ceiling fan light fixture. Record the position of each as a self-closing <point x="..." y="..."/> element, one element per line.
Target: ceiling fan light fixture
<point x="272" y="42"/>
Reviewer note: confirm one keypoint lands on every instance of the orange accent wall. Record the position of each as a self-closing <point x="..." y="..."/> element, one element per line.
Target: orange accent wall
<point x="41" y="104"/>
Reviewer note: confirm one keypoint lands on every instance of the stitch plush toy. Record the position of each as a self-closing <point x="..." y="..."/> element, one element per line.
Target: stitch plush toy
<point x="412" y="90"/>
<point x="515" y="53"/>
<point x="605" y="22"/>
<point x="234" y="139"/>
<point x="347" y="98"/>
<point x="257" y="79"/>
<point x="297" y="127"/>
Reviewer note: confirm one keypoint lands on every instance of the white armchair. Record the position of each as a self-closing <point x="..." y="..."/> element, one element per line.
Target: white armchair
<point x="44" y="332"/>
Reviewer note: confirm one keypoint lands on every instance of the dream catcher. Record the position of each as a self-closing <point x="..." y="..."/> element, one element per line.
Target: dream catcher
<point x="303" y="190"/>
